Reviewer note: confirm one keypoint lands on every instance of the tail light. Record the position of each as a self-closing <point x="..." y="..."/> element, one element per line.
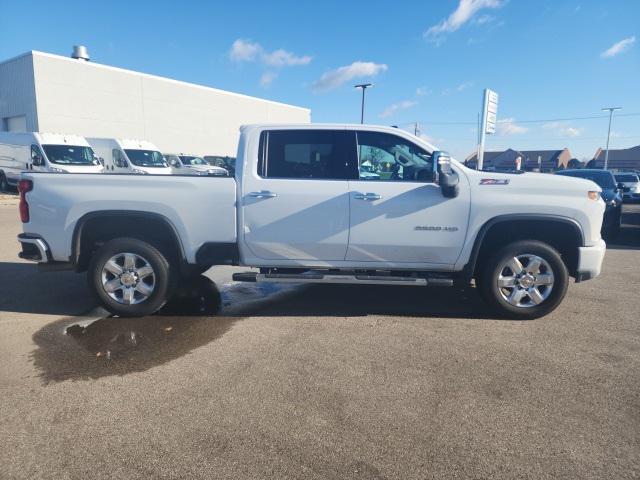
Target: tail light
<point x="24" y="186"/>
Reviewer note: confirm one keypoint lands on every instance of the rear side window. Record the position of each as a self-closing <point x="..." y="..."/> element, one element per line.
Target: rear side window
<point x="306" y="154"/>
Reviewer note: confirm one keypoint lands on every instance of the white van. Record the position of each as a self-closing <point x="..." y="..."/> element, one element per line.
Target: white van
<point x="43" y="152"/>
<point x="129" y="156"/>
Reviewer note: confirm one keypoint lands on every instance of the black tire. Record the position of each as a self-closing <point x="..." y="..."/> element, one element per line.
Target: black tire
<point x="161" y="273"/>
<point x="4" y="184"/>
<point x="494" y="267"/>
<point x="614" y="228"/>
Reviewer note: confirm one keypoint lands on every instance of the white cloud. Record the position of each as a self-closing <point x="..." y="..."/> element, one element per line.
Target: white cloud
<point x="465" y="12"/>
<point x="563" y="129"/>
<point x="247" y="51"/>
<point x="570" y="132"/>
<point x="396" y="107"/>
<point x="422" y="91"/>
<point x="334" y="78"/>
<point x="618" y="48"/>
<point x="267" y="78"/>
<point x="459" y="88"/>
<point x="508" y="126"/>
<point x="282" y="58"/>
<point x="244" y="50"/>
<point x="482" y="19"/>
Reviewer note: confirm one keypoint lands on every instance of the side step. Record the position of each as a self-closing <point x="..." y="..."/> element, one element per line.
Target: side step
<point x="362" y="279"/>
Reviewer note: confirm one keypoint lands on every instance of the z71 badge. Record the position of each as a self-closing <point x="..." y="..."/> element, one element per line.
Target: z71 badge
<point x="494" y="181"/>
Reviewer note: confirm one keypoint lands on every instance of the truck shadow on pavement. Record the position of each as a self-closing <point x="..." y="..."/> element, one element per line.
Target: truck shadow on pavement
<point x="77" y="348"/>
<point x="24" y="289"/>
<point x="629" y="238"/>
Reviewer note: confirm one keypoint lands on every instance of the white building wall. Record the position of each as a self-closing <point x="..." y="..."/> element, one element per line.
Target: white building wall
<point x="17" y="95"/>
<point x="95" y="100"/>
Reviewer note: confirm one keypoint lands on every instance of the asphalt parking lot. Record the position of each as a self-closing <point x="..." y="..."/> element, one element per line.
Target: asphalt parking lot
<point x="320" y="382"/>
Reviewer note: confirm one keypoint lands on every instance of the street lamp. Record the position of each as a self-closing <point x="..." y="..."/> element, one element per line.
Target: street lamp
<point x="363" y="86"/>
<point x="606" y="153"/>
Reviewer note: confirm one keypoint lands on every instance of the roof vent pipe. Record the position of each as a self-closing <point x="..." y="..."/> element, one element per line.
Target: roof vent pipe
<point x="80" y="52"/>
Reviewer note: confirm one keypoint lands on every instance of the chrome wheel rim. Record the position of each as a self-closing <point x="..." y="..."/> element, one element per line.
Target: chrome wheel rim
<point x="128" y="278"/>
<point x="525" y="280"/>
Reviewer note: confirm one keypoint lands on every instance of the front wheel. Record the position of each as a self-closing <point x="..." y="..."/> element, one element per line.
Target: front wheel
<point x="524" y="280"/>
<point x="130" y="277"/>
<point x="4" y="184"/>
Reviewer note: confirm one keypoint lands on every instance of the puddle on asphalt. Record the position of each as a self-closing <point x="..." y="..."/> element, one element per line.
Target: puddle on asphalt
<point x="91" y="347"/>
<point x="79" y="348"/>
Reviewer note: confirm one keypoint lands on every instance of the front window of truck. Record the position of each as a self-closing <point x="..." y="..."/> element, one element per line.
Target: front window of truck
<point x="146" y="158"/>
<point x="70" y="155"/>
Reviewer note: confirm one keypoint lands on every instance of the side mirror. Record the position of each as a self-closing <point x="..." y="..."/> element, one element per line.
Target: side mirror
<point x="444" y="174"/>
<point x="620" y="186"/>
<point x="38" y="161"/>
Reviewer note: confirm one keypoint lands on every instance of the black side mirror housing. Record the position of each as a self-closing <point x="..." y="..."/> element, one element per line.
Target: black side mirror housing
<point x="445" y="175"/>
<point x="620" y="186"/>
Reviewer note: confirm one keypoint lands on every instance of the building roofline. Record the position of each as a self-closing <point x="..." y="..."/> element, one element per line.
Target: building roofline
<point x="36" y="53"/>
<point x="13" y="59"/>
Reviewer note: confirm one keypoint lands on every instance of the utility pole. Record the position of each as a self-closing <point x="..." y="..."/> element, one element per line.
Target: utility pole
<point x="363" y="86"/>
<point x="606" y="153"/>
<point x="415" y="129"/>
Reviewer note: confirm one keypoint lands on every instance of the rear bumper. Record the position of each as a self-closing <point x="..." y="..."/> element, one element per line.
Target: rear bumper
<point x="590" y="261"/>
<point x="34" y="248"/>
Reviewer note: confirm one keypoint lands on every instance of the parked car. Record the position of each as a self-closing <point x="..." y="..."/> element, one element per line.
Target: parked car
<point x="193" y="165"/>
<point x="43" y="152"/>
<point x="630" y="184"/>
<point x="299" y="211"/>
<point x="228" y="163"/>
<point x="124" y="156"/>
<point x="611" y="194"/>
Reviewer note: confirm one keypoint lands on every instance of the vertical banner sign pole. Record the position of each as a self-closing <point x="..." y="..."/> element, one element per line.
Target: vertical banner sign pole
<point x="488" y="125"/>
<point x="483" y="126"/>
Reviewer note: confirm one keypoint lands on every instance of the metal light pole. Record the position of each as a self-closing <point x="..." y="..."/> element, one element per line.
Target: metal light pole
<point x="606" y="153"/>
<point x="363" y="86"/>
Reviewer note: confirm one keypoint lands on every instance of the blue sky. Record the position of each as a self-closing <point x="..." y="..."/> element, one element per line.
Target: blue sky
<point x="429" y="61"/>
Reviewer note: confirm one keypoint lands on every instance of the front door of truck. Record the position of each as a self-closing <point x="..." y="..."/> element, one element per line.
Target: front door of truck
<point x="295" y="203"/>
<point x="398" y="214"/>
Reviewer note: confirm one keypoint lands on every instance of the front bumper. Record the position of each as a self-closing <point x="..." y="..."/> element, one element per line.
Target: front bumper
<point x="590" y="261"/>
<point x="34" y="248"/>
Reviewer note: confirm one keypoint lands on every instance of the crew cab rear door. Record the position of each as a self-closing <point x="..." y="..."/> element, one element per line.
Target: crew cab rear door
<point x="399" y="216"/>
<point x="295" y="201"/>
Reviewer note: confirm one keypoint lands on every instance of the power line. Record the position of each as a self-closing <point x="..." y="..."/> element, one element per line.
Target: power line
<point x="542" y="120"/>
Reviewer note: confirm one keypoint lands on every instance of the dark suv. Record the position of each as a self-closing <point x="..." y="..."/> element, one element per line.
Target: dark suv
<point x="611" y="194"/>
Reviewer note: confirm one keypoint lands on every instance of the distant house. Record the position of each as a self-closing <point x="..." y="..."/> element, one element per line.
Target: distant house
<point x="530" y="160"/>
<point x="624" y="159"/>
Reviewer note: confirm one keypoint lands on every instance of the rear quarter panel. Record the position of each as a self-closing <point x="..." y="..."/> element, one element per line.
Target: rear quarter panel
<point x="201" y="209"/>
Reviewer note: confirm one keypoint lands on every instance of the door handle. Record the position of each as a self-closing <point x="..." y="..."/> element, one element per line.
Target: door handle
<point x="263" y="194"/>
<point x="367" y="196"/>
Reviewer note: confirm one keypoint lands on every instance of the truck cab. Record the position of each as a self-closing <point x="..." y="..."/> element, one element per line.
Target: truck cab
<point x="126" y="156"/>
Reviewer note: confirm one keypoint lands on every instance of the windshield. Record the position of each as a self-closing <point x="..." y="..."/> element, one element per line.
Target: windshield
<point x="627" y="178"/>
<point x="146" y="158"/>
<point x="69" y="155"/>
<point x="603" y="179"/>
<point x="189" y="160"/>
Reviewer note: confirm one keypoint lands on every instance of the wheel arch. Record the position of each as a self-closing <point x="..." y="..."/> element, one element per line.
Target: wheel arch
<point x="105" y="225"/>
<point x="563" y="233"/>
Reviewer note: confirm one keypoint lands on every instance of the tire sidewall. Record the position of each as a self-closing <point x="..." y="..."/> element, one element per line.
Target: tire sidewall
<point x="493" y="267"/>
<point x="4" y="183"/>
<point x="160" y="268"/>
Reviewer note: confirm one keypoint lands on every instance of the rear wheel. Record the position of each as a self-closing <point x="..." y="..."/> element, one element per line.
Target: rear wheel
<point x="524" y="280"/>
<point x="130" y="277"/>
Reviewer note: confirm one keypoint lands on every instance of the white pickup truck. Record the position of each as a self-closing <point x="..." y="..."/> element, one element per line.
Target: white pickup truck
<point x="321" y="203"/>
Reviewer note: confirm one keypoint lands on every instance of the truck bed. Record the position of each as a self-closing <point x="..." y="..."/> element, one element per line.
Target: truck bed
<point x="200" y="209"/>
